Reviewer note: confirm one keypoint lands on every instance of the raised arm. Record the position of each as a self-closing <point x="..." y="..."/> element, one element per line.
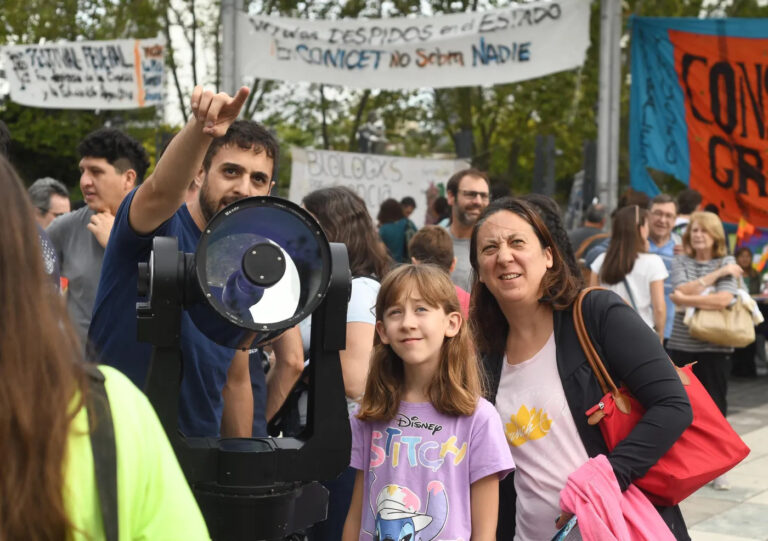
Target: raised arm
<point x="161" y="195"/>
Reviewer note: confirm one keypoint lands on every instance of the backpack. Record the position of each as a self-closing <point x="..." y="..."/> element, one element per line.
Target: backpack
<point x="579" y="254"/>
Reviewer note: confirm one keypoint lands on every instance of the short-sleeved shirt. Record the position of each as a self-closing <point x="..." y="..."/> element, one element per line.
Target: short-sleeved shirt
<point x="667" y="254"/>
<point x="543" y="438"/>
<point x="464" y="298"/>
<point x="80" y="257"/>
<point x="113" y="329"/>
<point x="419" y="466"/>
<point x="686" y="269"/>
<point x="361" y="309"/>
<point x="647" y="268"/>
<point x="153" y="498"/>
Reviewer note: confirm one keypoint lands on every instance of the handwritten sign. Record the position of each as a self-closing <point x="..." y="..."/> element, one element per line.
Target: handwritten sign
<point x="514" y="43"/>
<point x="119" y="74"/>
<point x="373" y="177"/>
<point x="697" y="110"/>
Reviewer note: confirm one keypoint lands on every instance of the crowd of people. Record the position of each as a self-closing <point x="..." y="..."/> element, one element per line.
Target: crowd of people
<point x="465" y="382"/>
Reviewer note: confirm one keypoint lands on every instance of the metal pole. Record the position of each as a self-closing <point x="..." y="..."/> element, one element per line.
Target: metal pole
<point x="230" y="80"/>
<point x="609" y="103"/>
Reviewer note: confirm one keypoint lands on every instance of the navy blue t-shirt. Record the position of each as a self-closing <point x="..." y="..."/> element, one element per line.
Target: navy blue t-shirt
<point x="113" y="327"/>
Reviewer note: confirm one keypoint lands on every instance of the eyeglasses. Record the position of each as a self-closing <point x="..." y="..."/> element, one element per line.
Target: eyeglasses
<point x="472" y="195"/>
<point x="660" y="214"/>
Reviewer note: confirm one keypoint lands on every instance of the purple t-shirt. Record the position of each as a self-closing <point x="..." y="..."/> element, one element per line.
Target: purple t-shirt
<point x="419" y="467"/>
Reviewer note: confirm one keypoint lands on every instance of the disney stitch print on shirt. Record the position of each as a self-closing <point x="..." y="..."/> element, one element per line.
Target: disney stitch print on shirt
<point x="399" y="516"/>
<point x="418" y="468"/>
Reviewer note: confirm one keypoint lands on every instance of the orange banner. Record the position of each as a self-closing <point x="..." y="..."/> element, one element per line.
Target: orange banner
<point x="725" y="87"/>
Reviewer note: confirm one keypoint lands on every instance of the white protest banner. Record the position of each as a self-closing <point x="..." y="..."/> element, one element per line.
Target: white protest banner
<point x="514" y="43"/>
<point x="373" y="177"/>
<point x="117" y="74"/>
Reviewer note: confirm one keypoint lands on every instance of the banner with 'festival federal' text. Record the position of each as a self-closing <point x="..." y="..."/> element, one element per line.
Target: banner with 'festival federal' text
<point x="117" y="74"/>
<point x="514" y="43"/>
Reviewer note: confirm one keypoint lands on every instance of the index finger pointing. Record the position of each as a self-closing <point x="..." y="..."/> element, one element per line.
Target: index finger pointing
<point x="241" y="96"/>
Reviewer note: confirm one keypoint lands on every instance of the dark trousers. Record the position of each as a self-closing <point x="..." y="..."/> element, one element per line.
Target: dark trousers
<point x="712" y="369"/>
<point x="339" y="499"/>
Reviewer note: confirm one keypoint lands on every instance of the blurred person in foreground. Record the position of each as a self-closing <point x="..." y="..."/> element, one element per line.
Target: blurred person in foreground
<point x="49" y="489"/>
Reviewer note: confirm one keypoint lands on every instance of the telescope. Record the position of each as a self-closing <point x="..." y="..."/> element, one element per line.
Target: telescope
<point x="261" y="266"/>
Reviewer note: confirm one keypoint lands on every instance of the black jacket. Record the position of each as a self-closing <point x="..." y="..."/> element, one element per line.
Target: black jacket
<point x="632" y="353"/>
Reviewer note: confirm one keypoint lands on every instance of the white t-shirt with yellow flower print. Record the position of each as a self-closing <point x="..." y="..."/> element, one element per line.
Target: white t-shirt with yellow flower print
<point x="542" y="437"/>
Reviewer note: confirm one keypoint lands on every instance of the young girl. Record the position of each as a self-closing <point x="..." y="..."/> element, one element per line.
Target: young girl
<point x="428" y="449"/>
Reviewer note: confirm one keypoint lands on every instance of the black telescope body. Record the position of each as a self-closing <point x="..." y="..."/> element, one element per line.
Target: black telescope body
<point x="261" y="266"/>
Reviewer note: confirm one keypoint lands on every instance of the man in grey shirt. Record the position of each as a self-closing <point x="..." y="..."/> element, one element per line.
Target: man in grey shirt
<point x="111" y="165"/>
<point x="468" y="193"/>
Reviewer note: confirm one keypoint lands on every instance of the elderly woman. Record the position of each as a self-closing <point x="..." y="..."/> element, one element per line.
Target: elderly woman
<point x="703" y="277"/>
<point x="540" y="380"/>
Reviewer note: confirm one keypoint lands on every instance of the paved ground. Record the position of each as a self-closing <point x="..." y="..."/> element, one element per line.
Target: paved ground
<point x="739" y="514"/>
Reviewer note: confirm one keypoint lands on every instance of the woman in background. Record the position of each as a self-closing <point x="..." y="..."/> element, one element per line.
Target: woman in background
<point x="395" y="230"/>
<point x="49" y="489"/>
<point x="704" y="277"/>
<point x="626" y="268"/>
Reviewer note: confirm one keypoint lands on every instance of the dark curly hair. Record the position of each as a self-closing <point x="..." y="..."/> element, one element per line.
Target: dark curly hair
<point x="390" y="211"/>
<point x="121" y="151"/>
<point x="550" y="213"/>
<point x="246" y="134"/>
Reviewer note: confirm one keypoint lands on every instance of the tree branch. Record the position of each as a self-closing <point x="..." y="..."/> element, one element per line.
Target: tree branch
<point x="326" y="143"/>
<point x="171" y="60"/>
<point x="358" y="117"/>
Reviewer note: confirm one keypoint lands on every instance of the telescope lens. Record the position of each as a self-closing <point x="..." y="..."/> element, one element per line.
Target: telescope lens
<point x="263" y="264"/>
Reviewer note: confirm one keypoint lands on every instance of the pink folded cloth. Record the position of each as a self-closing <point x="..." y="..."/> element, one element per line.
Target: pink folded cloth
<point x="604" y="512"/>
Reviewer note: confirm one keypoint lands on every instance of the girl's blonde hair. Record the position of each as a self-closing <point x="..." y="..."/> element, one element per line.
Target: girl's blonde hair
<point x="457" y="384"/>
<point x="709" y="222"/>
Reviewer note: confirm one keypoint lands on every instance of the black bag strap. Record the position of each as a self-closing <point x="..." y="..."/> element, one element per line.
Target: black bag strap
<point x="631" y="297"/>
<point x="104" y="450"/>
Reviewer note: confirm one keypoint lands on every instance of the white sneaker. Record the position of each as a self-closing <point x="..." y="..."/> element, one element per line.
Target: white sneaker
<point x="721" y="483"/>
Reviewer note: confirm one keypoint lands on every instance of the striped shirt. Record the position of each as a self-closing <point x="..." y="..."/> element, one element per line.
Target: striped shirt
<point x="686" y="269"/>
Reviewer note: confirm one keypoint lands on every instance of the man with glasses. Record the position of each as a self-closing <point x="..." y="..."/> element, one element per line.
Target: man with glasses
<point x="468" y="193"/>
<point x="663" y="242"/>
<point x="50" y="199"/>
